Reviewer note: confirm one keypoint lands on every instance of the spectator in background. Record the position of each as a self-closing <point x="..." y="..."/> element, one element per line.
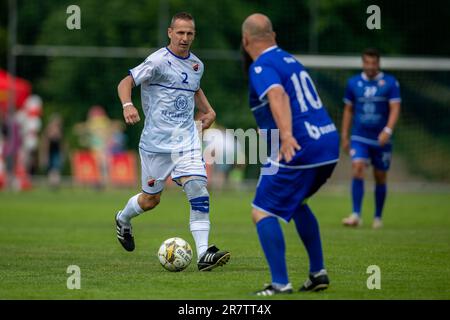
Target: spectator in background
<point x="97" y="134"/>
<point x="11" y="146"/>
<point x="52" y="150"/>
<point x="3" y="137"/>
<point x="222" y="151"/>
<point x="29" y="118"/>
<point x="117" y="140"/>
<point x="19" y="144"/>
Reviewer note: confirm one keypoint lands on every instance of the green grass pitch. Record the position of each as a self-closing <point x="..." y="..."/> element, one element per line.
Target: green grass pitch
<point x="42" y="233"/>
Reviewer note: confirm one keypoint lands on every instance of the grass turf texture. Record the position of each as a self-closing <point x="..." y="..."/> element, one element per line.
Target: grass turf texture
<point x="42" y="233"/>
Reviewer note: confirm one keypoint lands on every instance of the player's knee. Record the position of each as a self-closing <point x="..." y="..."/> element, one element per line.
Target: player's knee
<point x="258" y="215"/>
<point x="195" y="186"/>
<point x="380" y="177"/>
<point x="197" y="194"/>
<point x="149" y="201"/>
<point x="358" y="170"/>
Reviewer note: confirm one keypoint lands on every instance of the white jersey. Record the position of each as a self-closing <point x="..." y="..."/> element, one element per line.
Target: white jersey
<point x="168" y="84"/>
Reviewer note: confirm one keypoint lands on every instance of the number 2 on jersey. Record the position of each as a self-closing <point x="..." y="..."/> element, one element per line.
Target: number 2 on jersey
<point x="185" y="77"/>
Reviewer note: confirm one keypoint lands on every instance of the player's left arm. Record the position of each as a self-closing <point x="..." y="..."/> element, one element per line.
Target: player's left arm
<point x="394" y="113"/>
<point x="206" y="113"/>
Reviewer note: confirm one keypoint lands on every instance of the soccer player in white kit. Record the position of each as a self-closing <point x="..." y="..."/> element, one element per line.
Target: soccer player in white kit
<point x="170" y="144"/>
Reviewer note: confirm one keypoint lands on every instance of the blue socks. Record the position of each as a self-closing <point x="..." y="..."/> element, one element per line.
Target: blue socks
<point x="272" y="242"/>
<point x="308" y="230"/>
<point x="357" y="195"/>
<point x="380" y="196"/>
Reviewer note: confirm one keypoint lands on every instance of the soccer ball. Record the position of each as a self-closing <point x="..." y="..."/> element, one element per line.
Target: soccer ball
<point x="175" y="254"/>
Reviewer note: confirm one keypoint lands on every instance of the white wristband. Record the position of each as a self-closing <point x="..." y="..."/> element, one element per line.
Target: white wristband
<point x="127" y="104"/>
<point x="388" y="130"/>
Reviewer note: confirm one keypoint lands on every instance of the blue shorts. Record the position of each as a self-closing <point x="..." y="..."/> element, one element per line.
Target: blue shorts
<point x="282" y="193"/>
<point x="380" y="157"/>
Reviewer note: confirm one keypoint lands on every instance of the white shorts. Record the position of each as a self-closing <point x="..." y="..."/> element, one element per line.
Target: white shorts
<point x="156" y="167"/>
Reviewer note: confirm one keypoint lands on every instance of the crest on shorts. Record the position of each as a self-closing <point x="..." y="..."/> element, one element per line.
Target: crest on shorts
<point x="195" y="67"/>
<point x="151" y="181"/>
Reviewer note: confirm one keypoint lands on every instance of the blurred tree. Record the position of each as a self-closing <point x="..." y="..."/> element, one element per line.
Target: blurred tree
<point x="71" y="85"/>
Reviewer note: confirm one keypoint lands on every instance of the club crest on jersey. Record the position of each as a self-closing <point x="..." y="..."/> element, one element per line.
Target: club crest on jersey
<point x="151" y="182"/>
<point x="181" y="103"/>
<point x="381" y="82"/>
<point x="195" y="67"/>
<point x="258" y="69"/>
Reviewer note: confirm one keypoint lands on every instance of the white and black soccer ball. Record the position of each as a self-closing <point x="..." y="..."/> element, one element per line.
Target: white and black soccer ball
<point x="175" y="254"/>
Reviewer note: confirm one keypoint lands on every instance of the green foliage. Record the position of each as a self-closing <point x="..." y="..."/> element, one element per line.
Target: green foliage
<point x="71" y="85"/>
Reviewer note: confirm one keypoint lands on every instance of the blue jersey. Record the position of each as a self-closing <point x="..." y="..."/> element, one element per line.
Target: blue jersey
<point x="311" y="125"/>
<point x="370" y="100"/>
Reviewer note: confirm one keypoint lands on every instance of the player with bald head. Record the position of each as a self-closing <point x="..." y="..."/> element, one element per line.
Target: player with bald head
<point x="283" y="97"/>
<point x="259" y="26"/>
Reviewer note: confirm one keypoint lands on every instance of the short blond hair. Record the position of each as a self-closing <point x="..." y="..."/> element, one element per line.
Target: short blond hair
<point x="182" y="16"/>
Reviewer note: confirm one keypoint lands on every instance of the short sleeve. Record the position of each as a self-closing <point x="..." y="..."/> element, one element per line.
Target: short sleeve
<point x="202" y="70"/>
<point x="394" y="93"/>
<point x="262" y="79"/>
<point x="349" y="96"/>
<point x="144" y="71"/>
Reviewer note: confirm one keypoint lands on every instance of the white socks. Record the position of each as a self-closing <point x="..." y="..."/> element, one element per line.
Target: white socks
<point x="199" y="223"/>
<point x="131" y="210"/>
<point x="200" y="233"/>
<point x="198" y="197"/>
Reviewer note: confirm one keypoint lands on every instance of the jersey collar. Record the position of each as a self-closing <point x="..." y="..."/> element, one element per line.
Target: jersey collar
<point x="377" y="77"/>
<point x="179" y="57"/>
<point x="268" y="49"/>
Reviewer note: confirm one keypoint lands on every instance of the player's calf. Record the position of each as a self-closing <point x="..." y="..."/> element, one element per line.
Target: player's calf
<point x="149" y="201"/>
<point x="198" y="196"/>
<point x="136" y="205"/>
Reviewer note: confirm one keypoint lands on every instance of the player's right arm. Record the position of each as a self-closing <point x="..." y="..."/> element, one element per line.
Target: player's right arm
<point x="281" y="112"/>
<point x="346" y="124"/>
<point x="268" y="85"/>
<point x="349" y="99"/>
<point x="130" y="113"/>
<point x="138" y="75"/>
